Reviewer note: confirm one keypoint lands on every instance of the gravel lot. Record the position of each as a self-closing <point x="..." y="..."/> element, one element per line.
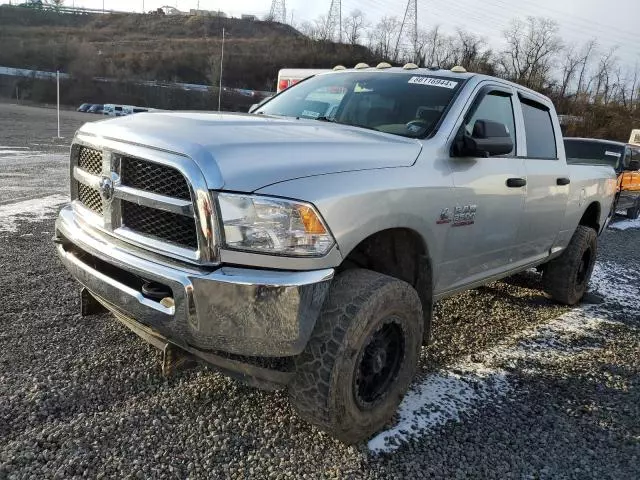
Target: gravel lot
<point x="513" y="386"/>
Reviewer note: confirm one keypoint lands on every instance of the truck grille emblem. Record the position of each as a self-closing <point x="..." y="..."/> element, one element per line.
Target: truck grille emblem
<point x="106" y="188"/>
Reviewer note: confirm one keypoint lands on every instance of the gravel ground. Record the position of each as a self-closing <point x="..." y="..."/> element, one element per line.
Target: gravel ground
<point x="513" y="386"/>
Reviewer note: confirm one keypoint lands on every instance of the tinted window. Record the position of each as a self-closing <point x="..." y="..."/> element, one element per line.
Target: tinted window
<point x="402" y="104"/>
<point x="541" y="141"/>
<point x="497" y="108"/>
<point x="595" y="153"/>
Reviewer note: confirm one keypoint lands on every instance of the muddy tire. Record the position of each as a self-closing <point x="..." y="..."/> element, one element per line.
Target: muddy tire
<point x="361" y="357"/>
<point x="566" y="278"/>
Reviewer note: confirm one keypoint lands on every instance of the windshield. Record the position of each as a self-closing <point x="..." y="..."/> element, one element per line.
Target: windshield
<point x="402" y="104"/>
<point x="596" y="153"/>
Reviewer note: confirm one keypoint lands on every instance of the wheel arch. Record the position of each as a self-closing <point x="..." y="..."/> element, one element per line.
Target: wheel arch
<point x="591" y="216"/>
<point x="402" y="253"/>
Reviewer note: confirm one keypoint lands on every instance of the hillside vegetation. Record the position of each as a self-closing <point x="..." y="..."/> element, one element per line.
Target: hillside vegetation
<point x="163" y="48"/>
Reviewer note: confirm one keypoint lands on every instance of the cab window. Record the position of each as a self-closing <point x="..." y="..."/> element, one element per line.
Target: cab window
<point x="538" y="128"/>
<point x="497" y="107"/>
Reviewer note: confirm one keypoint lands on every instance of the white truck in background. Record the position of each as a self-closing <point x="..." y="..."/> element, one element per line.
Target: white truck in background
<point x="290" y="76"/>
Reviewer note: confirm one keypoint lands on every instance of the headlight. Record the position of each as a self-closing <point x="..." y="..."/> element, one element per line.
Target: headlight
<point x="273" y="225"/>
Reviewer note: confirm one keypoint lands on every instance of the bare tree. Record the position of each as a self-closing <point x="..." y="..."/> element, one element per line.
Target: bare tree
<point x="317" y="30"/>
<point x="604" y="76"/>
<point x="469" y="50"/>
<point x="585" y="58"/>
<point x="381" y="39"/>
<point x="433" y="47"/>
<point x="531" y="48"/>
<point x="354" y="27"/>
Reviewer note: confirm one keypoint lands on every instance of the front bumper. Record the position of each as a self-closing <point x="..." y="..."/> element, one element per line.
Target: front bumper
<point x="240" y="311"/>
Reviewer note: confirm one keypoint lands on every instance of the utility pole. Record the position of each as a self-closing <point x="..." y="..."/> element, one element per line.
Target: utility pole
<point x="221" y="64"/>
<point x="410" y="26"/>
<point x="334" y="18"/>
<point x="58" y="99"/>
<point x="278" y="12"/>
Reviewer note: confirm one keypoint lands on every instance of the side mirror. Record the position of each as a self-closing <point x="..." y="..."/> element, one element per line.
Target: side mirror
<point x="633" y="165"/>
<point x="488" y="138"/>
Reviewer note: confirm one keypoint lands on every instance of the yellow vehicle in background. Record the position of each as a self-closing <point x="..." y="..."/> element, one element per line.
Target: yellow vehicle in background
<point x="625" y="160"/>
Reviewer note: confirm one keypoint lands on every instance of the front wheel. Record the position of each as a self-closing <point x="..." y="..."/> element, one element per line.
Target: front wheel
<point x="566" y="277"/>
<point x="361" y="357"/>
<point x="634" y="212"/>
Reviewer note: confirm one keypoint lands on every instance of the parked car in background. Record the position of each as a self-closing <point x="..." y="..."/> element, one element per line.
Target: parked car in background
<point x="96" y="108"/>
<point x="625" y="160"/>
<point x="84" y="107"/>
<point x="112" y="110"/>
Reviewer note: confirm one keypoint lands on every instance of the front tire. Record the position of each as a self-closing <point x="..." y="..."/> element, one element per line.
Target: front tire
<point x="634" y="212"/>
<point x="361" y="357"/>
<point x="566" y="278"/>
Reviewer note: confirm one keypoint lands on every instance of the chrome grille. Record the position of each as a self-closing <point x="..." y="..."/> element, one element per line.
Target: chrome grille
<point x="90" y="160"/>
<point x="145" y="200"/>
<point x="90" y="198"/>
<point x="153" y="177"/>
<point x="165" y="226"/>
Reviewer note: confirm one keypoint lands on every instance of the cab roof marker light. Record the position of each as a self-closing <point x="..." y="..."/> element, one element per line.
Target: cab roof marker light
<point x="361" y="66"/>
<point x="339" y="67"/>
<point x="459" y="69"/>
<point x="410" y="66"/>
<point x="383" y="65"/>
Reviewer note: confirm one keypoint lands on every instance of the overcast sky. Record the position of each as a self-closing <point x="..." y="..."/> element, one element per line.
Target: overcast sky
<point x="611" y="22"/>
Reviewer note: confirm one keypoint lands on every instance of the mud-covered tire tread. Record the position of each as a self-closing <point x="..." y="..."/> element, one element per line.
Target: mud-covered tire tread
<point x="352" y="293"/>
<point x="560" y="273"/>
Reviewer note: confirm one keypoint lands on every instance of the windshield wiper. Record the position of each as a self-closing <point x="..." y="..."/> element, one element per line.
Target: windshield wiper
<point x="326" y="119"/>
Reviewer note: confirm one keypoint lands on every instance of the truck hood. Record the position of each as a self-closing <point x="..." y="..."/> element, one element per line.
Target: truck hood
<point x="247" y="152"/>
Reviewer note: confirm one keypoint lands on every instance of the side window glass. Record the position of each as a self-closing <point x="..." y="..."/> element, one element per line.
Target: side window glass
<point x="497" y="108"/>
<point x="541" y="140"/>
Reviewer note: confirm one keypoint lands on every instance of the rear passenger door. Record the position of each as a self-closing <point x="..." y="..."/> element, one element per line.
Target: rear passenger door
<point x="548" y="179"/>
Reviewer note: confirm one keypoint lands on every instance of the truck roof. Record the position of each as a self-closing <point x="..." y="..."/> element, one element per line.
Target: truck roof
<point x="438" y="72"/>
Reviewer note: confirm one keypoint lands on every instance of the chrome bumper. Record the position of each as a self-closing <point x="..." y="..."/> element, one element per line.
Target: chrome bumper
<point x="240" y="311"/>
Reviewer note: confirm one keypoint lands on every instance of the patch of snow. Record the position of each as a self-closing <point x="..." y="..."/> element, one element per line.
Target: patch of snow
<point x="30" y="210"/>
<point x="464" y="387"/>
<point x="625" y="224"/>
<point x="440" y="398"/>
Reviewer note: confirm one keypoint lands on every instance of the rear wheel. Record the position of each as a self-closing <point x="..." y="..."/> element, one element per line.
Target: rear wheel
<point x="566" y="278"/>
<point x="361" y="357"/>
<point x="634" y="212"/>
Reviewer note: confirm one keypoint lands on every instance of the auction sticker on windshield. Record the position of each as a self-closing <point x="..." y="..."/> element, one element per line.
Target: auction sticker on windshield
<point x="433" y="82"/>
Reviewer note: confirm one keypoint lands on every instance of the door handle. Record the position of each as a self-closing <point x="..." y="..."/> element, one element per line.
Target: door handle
<point x="516" y="182"/>
<point x="563" y="181"/>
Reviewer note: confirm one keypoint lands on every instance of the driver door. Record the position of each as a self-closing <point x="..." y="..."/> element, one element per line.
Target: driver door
<point x="481" y="242"/>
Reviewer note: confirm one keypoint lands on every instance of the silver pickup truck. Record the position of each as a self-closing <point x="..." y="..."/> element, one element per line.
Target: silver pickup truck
<point x="303" y="245"/>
